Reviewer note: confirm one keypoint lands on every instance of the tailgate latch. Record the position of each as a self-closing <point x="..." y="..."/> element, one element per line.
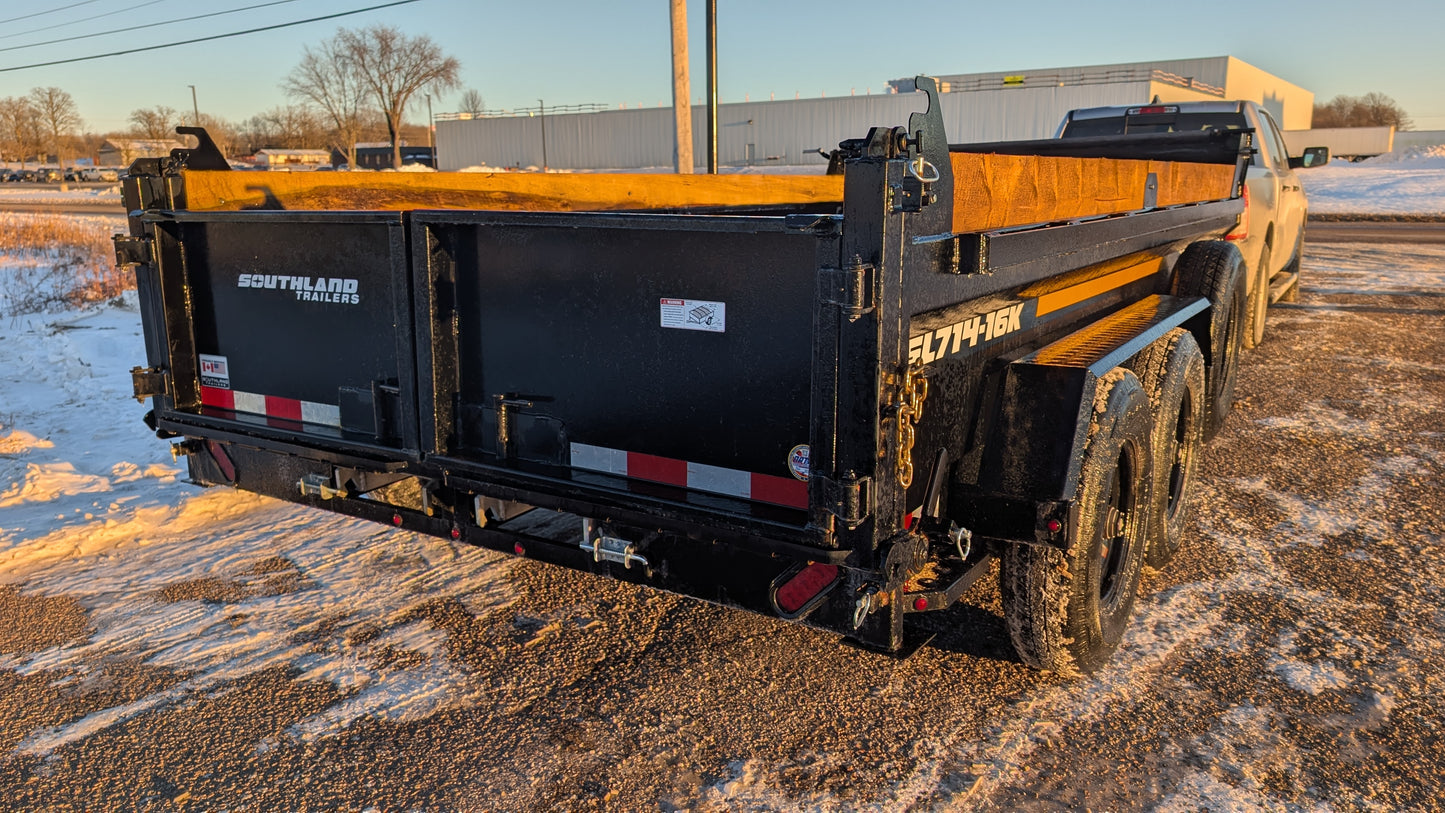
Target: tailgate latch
<point x="133" y="250"/>
<point x="607" y="548"/>
<point x="849" y="498"/>
<point x="147" y="382"/>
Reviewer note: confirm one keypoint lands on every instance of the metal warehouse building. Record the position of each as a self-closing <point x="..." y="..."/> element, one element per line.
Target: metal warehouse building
<point x="976" y="107"/>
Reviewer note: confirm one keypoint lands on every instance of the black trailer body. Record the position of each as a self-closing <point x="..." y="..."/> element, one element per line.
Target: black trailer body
<point x="833" y="416"/>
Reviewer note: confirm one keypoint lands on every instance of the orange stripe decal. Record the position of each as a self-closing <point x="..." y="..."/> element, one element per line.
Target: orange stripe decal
<point x="1074" y="294"/>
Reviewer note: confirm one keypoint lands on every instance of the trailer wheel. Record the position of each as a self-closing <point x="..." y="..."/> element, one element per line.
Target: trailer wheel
<point x="1215" y="270"/>
<point x="1171" y="371"/>
<point x="1258" y="301"/>
<point x="1066" y="610"/>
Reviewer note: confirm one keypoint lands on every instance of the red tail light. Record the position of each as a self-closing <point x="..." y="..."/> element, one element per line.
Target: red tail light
<point x="809" y="583"/>
<point x="1154" y="109"/>
<point x="1241" y="232"/>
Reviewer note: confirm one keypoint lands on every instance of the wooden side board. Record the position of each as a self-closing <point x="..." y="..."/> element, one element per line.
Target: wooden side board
<point x="990" y="191"/>
<point x="996" y="191"/>
<point x="511" y="191"/>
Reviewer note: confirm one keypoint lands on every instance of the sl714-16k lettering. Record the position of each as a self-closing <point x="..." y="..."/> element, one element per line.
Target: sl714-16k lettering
<point x="928" y="347"/>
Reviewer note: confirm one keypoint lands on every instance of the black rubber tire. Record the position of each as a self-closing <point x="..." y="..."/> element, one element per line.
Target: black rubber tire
<point x="1215" y="270"/>
<point x="1258" y="301"/>
<point x="1066" y="610"/>
<point x="1291" y="294"/>
<point x="1171" y="371"/>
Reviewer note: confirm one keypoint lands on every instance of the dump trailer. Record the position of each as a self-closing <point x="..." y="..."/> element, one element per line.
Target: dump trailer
<point x="827" y="399"/>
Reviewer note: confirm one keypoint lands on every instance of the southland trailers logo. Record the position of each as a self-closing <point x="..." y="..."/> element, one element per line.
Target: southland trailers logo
<point x="308" y="289"/>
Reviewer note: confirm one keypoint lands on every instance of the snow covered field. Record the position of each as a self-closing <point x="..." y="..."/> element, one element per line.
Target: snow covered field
<point x="1409" y="183"/>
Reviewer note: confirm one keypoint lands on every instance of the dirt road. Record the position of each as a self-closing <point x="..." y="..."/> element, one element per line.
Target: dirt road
<point x="184" y="650"/>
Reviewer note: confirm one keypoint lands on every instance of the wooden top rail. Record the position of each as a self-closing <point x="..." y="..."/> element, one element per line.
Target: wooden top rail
<point x="509" y="191"/>
<point x="990" y="191"/>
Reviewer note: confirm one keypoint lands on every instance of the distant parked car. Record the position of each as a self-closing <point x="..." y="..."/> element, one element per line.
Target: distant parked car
<point x="8" y="175"/>
<point x="50" y="175"/>
<point x="100" y="174"/>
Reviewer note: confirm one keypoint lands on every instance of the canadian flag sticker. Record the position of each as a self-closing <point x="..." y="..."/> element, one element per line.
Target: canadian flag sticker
<point x="215" y="372"/>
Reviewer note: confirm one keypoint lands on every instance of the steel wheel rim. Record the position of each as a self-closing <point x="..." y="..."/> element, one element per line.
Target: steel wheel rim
<point x="1113" y="532"/>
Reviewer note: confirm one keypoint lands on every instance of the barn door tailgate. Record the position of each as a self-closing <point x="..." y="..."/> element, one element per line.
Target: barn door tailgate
<point x="663" y="355"/>
<point x="300" y="327"/>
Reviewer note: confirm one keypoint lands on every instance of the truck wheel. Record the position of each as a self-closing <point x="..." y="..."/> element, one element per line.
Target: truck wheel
<point x="1171" y="371"/>
<point x="1214" y="270"/>
<point x="1066" y="610"/>
<point x="1258" y="301"/>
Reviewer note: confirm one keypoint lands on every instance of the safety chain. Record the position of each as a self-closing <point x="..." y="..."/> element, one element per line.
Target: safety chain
<point x="910" y="411"/>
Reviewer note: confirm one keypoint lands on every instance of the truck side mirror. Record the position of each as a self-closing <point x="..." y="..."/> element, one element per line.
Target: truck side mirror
<point x="1313" y="157"/>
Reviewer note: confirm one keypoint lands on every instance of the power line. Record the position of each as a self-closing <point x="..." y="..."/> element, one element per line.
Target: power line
<point x="48" y="11"/>
<point x="81" y="20"/>
<point x="203" y="39"/>
<point x="146" y="25"/>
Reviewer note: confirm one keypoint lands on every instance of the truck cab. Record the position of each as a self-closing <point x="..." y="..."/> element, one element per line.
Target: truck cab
<point x="1271" y="234"/>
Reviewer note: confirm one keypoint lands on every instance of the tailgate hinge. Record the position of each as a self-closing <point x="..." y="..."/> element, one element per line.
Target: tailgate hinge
<point x="148" y="382"/>
<point x="850" y="288"/>
<point x="133" y="250"/>
<point x="849" y="498"/>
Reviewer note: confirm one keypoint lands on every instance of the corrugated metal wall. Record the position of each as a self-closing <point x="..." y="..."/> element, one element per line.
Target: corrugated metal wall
<point x="781" y="133"/>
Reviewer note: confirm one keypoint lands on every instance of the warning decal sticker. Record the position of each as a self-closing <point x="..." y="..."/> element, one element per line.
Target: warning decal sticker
<point x="694" y="314"/>
<point x="215" y="372"/>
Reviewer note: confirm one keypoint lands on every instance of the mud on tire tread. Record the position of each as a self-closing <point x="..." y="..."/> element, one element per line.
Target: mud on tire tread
<point x="1215" y="270"/>
<point x="1171" y="371"/>
<point x="1052" y="600"/>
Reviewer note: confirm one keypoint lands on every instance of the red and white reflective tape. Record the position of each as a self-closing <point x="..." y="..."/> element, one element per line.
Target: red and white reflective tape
<point x="272" y="406"/>
<point x="697" y="476"/>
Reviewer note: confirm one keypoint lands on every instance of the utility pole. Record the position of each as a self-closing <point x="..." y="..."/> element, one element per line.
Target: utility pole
<point x="681" y="90"/>
<point x="712" y="87"/>
<point x="431" y="125"/>
<point x="195" y="108"/>
<point x="542" y="112"/>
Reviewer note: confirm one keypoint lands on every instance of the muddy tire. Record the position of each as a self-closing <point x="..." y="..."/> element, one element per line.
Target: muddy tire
<point x="1215" y="270"/>
<point x="1258" y="301"/>
<point x="1171" y="372"/>
<point x="1066" y="610"/>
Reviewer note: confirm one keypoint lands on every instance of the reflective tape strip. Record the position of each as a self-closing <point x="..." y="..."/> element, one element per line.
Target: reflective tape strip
<point x="696" y="476"/>
<point x="272" y="406"/>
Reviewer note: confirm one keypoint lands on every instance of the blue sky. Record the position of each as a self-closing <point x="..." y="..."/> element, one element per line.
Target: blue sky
<point x="574" y="52"/>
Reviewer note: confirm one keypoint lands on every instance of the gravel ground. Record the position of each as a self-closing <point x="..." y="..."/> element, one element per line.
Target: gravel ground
<point x="1291" y="658"/>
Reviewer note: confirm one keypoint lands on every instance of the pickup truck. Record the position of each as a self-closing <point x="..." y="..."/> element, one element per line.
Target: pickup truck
<point x="830" y="399"/>
<point x="1271" y="236"/>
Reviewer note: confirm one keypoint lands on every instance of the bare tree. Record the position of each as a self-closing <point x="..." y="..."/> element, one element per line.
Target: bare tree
<point x="394" y="68"/>
<point x="472" y="104"/>
<point x="1374" y="109"/>
<point x="292" y="127"/>
<point x="154" y="123"/>
<point x="20" y="136"/>
<point x="328" y="78"/>
<point x="58" y="117"/>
